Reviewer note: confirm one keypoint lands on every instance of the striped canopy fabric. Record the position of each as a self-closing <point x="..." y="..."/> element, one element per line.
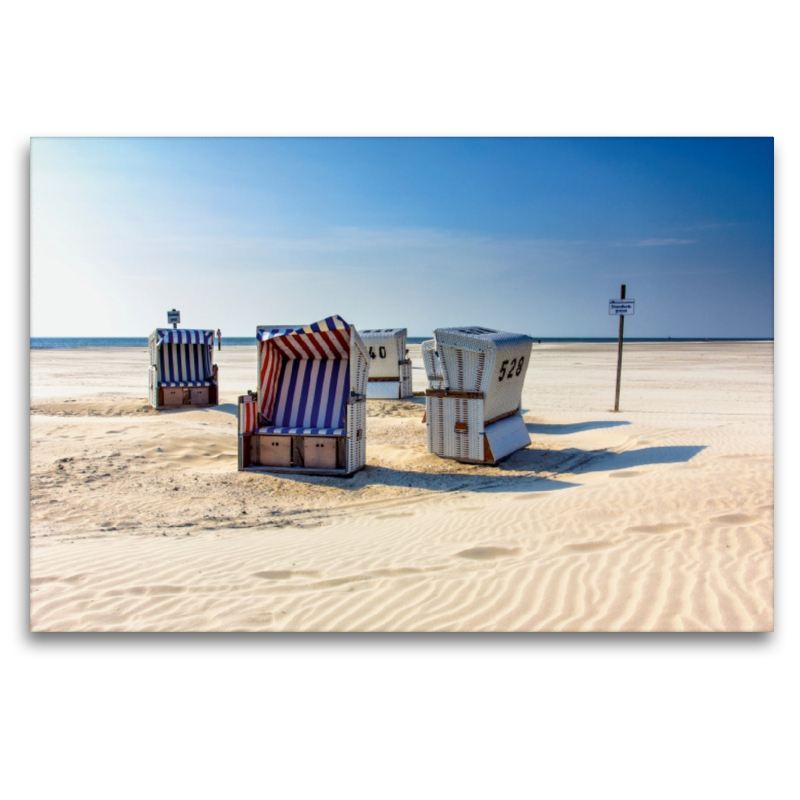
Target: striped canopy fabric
<point x="176" y="336"/>
<point x="328" y="338"/>
<point x="312" y="394"/>
<point x="185" y="364"/>
<point x="304" y="380"/>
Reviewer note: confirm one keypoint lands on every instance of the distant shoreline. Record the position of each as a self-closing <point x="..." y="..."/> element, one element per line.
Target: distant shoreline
<point x="83" y="343"/>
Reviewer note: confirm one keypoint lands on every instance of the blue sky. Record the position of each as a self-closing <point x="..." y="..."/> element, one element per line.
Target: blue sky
<point x="524" y="234"/>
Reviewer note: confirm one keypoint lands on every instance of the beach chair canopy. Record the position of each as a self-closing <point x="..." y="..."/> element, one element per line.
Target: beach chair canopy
<point x="476" y="359"/>
<point x="305" y="376"/>
<point x="182" y="357"/>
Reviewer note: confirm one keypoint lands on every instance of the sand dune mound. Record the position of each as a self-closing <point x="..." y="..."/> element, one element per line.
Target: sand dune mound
<point x="112" y="406"/>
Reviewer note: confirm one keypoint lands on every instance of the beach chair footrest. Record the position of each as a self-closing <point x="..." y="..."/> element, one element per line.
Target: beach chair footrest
<point x="298" y="454"/>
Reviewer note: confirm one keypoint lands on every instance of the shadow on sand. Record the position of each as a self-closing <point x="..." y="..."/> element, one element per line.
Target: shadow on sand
<point x="529" y="470"/>
<point x="225" y="408"/>
<point x="647" y="456"/>
<point x="560" y="430"/>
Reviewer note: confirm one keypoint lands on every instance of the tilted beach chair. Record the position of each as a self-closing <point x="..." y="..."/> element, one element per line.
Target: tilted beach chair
<point x="309" y="415"/>
<point x="389" y="369"/>
<point x="433" y="366"/>
<point x="182" y="369"/>
<point x="476" y="416"/>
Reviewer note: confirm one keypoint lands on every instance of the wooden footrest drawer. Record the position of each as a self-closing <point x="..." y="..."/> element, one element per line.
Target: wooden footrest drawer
<point x="319" y="452"/>
<point x="272" y="451"/>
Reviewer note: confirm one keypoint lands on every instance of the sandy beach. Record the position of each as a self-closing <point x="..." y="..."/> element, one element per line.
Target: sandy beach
<point x="656" y="518"/>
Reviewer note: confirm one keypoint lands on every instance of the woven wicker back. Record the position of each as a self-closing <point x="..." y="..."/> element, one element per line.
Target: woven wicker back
<point x="153" y="350"/>
<point x="359" y="364"/>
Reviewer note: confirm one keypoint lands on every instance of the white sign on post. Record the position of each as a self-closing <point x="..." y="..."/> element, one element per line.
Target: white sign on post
<point x="173" y="317"/>
<point x="617" y="307"/>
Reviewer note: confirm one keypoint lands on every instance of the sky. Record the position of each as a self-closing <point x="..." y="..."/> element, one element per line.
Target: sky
<point x="530" y="235"/>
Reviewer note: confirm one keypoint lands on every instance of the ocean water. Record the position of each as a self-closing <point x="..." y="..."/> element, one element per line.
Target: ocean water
<point x="75" y="343"/>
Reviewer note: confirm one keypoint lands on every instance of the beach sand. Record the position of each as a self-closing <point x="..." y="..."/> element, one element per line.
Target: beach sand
<point x="656" y="518"/>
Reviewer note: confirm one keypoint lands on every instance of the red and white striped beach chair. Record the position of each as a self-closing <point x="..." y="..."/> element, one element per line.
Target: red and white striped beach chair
<point x="182" y="369"/>
<point x="309" y="414"/>
<point x="389" y="369"/>
<point x="476" y="416"/>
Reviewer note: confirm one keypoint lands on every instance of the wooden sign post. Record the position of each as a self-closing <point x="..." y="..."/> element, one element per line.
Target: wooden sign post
<point x="620" y="308"/>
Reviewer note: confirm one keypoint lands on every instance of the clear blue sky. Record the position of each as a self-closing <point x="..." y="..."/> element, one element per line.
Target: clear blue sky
<point x="529" y="235"/>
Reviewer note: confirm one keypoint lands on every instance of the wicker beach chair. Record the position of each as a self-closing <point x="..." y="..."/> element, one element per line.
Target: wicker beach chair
<point x="309" y="415"/>
<point x="389" y="369"/>
<point x="433" y="366"/>
<point x="182" y="369"/>
<point x="476" y="416"/>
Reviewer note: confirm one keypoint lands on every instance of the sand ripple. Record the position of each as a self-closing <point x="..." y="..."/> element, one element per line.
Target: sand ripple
<point x="658" y="519"/>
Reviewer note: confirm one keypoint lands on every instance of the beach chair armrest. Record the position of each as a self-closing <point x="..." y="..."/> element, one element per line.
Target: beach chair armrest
<point x="248" y="413"/>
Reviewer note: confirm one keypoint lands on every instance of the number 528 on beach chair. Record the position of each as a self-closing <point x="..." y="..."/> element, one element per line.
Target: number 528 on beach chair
<point x="309" y="414"/>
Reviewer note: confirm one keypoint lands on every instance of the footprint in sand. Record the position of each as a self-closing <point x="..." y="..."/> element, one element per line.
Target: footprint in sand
<point x="734" y="519"/>
<point x="490" y="553"/>
<point x="628" y="473"/>
<point x="285" y="574"/>
<point x="590" y="547"/>
<point x="661" y="527"/>
<point x="44" y="579"/>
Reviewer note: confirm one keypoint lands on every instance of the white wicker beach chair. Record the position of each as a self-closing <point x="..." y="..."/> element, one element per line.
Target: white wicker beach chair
<point x="476" y="416"/>
<point x="309" y="415"/>
<point x="389" y="370"/>
<point x="433" y="366"/>
<point x="182" y="369"/>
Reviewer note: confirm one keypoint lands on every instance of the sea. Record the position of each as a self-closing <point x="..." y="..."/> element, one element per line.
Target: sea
<point x="78" y="343"/>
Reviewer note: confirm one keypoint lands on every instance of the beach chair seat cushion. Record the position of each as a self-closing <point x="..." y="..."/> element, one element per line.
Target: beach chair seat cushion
<point x="173" y="384"/>
<point x="275" y="429"/>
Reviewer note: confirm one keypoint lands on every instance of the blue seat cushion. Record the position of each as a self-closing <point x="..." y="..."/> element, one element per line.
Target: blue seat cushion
<point x="272" y="429"/>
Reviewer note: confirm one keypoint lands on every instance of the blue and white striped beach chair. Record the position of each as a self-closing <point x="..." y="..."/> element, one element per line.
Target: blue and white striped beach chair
<point x="182" y="369"/>
<point x="309" y="413"/>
